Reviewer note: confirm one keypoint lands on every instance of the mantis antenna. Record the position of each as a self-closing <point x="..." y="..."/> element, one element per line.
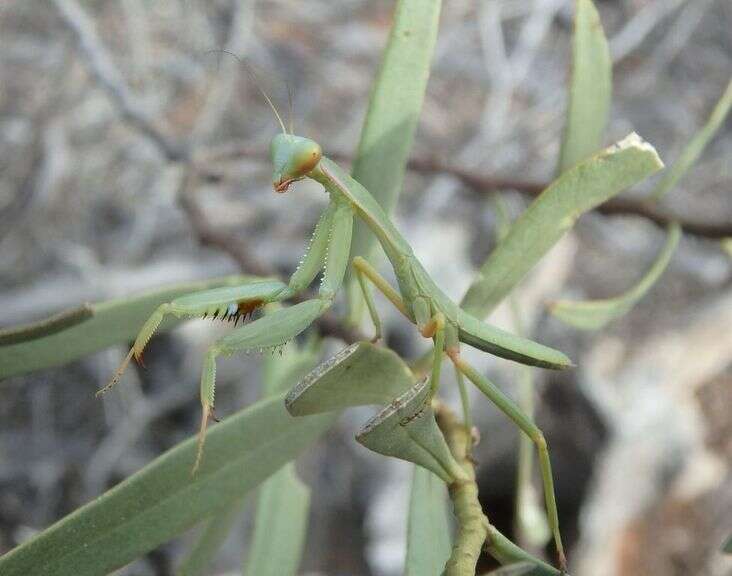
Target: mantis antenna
<point x="291" y="107"/>
<point x="255" y="80"/>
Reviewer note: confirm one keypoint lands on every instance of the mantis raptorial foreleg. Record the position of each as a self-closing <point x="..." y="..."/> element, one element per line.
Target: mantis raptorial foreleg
<point x="229" y="303"/>
<point x="527" y="426"/>
<point x="268" y="332"/>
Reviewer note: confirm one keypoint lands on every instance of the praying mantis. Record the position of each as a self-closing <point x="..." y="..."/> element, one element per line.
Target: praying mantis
<point x="417" y="297"/>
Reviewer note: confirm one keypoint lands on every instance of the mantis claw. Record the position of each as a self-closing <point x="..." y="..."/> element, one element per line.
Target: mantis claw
<point x="117" y="374"/>
<point x="201" y="439"/>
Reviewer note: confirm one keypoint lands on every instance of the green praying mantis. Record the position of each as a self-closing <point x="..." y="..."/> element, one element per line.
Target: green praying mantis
<point x="417" y="297"/>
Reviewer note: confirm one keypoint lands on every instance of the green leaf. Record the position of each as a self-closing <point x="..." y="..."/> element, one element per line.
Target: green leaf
<point x="553" y="213"/>
<point x="727" y="547"/>
<point x="590" y="89"/>
<point x="507" y="553"/>
<point x="361" y="374"/>
<point x="71" y="335"/>
<point x="594" y="314"/>
<point x="518" y="569"/>
<point x="283" y="501"/>
<point x="280" y="526"/>
<point x="406" y="429"/>
<point x="696" y="146"/>
<point x="391" y="119"/>
<point x="428" y="529"/>
<point x="162" y="500"/>
<point x="726" y="244"/>
<point x="278" y="372"/>
<point x="210" y="540"/>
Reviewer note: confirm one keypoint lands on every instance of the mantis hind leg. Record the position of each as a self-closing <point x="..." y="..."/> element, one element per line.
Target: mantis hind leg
<point x="510" y="409"/>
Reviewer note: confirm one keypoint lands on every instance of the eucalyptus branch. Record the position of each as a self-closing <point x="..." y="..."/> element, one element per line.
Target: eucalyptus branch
<point x="474" y="532"/>
<point x="472" y="523"/>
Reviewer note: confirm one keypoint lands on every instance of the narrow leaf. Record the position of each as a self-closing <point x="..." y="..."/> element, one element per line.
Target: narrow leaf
<point x="283" y="501"/>
<point x="163" y="500"/>
<point x="391" y="119"/>
<point x="518" y="569"/>
<point x="278" y="371"/>
<point x="590" y="88"/>
<point x="94" y="327"/>
<point x="594" y="314"/>
<point x="507" y="553"/>
<point x="361" y="374"/>
<point x="726" y="244"/>
<point x="212" y="537"/>
<point x="554" y="212"/>
<point x="280" y="526"/>
<point x="428" y="529"/>
<point x="406" y="429"/>
<point x="727" y="547"/>
<point x="696" y="146"/>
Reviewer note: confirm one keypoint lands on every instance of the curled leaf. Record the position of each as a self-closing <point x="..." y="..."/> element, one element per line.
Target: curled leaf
<point x="696" y="145"/>
<point x="594" y="314"/>
<point x="406" y="429"/>
<point x="361" y="374"/>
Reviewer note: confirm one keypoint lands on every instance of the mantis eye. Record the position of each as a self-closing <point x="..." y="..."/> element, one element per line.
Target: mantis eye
<point x="307" y="159"/>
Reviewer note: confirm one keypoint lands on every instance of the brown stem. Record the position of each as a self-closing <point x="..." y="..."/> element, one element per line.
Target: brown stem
<point x="474" y="532"/>
<point x="472" y="524"/>
<point x="484" y="184"/>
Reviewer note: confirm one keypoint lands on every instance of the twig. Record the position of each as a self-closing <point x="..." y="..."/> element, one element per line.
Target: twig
<point x="472" y="524"/>
<point x="108" y="76"/>
<point x="474" y="532"/>
<point x="481" y="184"/>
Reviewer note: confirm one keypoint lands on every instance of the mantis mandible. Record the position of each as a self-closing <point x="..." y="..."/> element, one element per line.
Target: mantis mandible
<point x="417" y="297"/>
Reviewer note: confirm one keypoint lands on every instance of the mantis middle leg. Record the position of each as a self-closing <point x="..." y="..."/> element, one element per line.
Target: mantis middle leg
<point x="430" y="325"/>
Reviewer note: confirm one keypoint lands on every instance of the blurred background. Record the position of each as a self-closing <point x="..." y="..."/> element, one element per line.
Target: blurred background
<point x="92" y="207"/>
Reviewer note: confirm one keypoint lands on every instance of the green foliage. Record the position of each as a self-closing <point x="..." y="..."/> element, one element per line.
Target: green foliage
<point x="696" y="145"/>
<point x="553" y="213"/>
<point x="257" y="445"/>
<point x="212" y="536"/>
<point x="590" y="89"/>
<point x="406" y="429"/>
<point x="163" y="500"/>
<point x="727" y="547"/>
<point x="283" y="501"/>
<point x="391" y="119"/>
<point x="359" y="375"/>
<point x="280" y="526"/>
<point x="428" y="529"/>
<point x="104" y="324"/>
<point x="594" y="314"/>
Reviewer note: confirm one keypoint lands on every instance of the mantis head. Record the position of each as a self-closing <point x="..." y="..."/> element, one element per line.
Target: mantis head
<point x="293" y="157"/>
